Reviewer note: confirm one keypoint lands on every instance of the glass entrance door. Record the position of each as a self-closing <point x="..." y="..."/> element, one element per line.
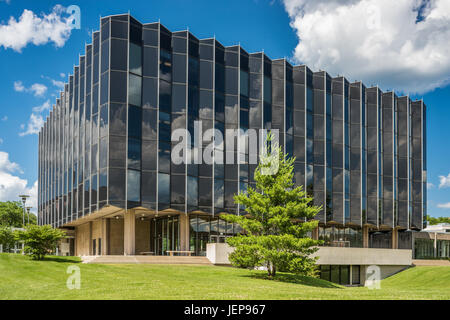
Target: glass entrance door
<point x="164" y="235"/>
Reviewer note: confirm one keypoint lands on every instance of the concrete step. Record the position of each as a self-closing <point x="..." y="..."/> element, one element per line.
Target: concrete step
<point x="87" y="259"/>
<point x="431" y="263"/>
<point x="146" y="260"/>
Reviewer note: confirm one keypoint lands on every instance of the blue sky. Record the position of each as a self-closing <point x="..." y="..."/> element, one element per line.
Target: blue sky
<point x="33" y="67"/>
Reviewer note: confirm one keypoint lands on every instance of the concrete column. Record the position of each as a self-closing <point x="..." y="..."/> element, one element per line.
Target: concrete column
<point x="91" y="253"/>
<point x="315" y="234"/>
<point x="435" y="245"/>
<point x="105" y="236"/>
<point x="351" y="275"/>
<point x="365" y="231"/>
<point x="129" y="236"/>
<point x="184" y="232"/>
<point x="394" y="238"/>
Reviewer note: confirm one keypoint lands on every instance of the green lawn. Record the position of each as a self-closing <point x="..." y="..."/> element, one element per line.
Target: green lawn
<point x="22" y="278"/>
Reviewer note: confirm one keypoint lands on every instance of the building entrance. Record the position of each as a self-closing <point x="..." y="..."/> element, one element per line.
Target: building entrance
<point x="164" y="235"/>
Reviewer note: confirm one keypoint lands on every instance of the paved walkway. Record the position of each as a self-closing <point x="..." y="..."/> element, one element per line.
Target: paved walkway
<point x="431" y="263"/>
<point x="146" y="260"/>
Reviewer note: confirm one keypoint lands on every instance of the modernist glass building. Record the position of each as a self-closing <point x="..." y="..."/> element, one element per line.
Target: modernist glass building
<point x="105" y="166"/>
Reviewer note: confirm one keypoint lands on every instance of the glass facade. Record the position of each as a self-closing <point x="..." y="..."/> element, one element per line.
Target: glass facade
<point x="342" y="274"/>
<point x="339" y="236"/>
<point x="107" y="142"/>
<point x="431" y="249"/>
<point x="208" y="229"/>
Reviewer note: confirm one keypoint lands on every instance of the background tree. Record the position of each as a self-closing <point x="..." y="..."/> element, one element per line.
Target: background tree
<point x="11" y="215"/>
<point x="434" y="221"/>
<point x="7" y="238"/>
<point x="40" y="240"/>
<point x="278" y="221"/>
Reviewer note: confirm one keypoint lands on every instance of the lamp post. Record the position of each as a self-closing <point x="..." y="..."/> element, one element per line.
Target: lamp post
<point x="24" y="201"/>
<point x="28" y="213"/>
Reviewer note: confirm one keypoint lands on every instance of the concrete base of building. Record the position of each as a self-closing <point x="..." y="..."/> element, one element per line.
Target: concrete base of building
<point x="373" y="264"/>
<point x="125" y="237"/>
<point x="363" y="256"/>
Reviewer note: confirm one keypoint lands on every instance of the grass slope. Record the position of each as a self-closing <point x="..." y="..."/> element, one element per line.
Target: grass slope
<point x="22" y="278"/>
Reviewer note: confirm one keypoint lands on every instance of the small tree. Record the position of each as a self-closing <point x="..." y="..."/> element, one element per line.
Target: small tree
<point x="434" y="221"/>
<point x="7" y="238"/>
<point x="278" y="220"/>
<point x="11" y="215"/>
<point x="40" y="240"/>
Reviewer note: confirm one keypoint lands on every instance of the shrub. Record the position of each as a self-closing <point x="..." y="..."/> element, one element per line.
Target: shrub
<point x="7" y="238"/>
<point x="40" y="240"/>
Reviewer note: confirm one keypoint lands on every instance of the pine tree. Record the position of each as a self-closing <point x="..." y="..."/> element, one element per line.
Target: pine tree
<point x="278" y="220"/>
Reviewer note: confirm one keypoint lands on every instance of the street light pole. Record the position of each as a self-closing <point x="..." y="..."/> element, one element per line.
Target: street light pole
<point x="24" y="201"/>
<point x="28" y="214"/>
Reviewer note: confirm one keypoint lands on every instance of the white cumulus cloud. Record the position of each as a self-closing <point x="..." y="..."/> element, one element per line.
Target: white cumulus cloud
<point x="401" y="45"/>
<point x="34" y="125"/>
<point x="58" y="84"/>
<point x="36" y="120"/>
<point x="18" y="86"/>
<point x="37" y="89"/>
<point x="44" y="107"/>
<point x="444" y="181"/>
<point x="6" y="165"/>
<point x="36" y="29"/>
<point x="11" y="186"/>
<point x="444" y="205"/>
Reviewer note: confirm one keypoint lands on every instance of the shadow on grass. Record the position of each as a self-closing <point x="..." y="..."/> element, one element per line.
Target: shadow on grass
<point x="296" y="279"/>
<point x="58" y="259"/>
<point x="62" y="259"/>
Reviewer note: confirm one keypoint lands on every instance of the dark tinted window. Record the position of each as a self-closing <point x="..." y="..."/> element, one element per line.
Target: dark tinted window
<point x="134" y="122"/>
<point x="119" y="52"/>
<point x="117" y="184"/>
<point x="150" y="93"/>
<point x="179" y="98"/>
<point x="165" y="65"/>
<point x="118" y="86"/>
<point x="206" y="74"/>
<point x="134" y="154"/>
<point x="150" y="62"/>
<point x="134" y="186"/>
<point x="148" y="186"/>
<point x="165" y="96"/>
<point x="178" y="189"/>
<point x="135" y="59"/>
<point x="179" y="68"/>
<point x="118" y="115"/>
<point x="163" y="188"/>
<point x="149" y="124"/>
<point x="135" y="90"/>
